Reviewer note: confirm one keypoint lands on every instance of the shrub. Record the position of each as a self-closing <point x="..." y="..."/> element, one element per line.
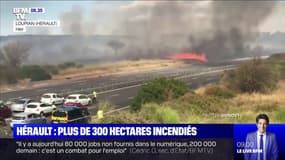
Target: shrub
<point x="157" y="91"/>
<point x="253" y="76"/>
<point x="219" y="91"/>
<point x="278" y="62"/>
<point x="280" y="115"/>
<point x="167" y="115"/>
<point x="197" y="104"/>
<point x="34" y="72"/>
<point x="51" y="69"/>
<point x="8" y="75"/>
<point x="121" y="118"/>
<point x="66" y="65"/>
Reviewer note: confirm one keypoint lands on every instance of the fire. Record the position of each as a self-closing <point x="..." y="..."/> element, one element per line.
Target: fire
<point x="190" y="56"/>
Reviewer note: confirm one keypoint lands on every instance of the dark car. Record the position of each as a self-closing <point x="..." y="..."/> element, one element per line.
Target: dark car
<point x="5" y="112"/>
<point x="79" y="105"/>
<point x="68" y="115"/>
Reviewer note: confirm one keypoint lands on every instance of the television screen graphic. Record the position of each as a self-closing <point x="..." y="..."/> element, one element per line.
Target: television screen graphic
<point x="196" y="80"/>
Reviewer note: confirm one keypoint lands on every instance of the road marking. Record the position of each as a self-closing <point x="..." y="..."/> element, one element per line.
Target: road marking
<point x="131" y="97"/>
<point x="195" y="75"/>
<point x="119" y="89"/>
<point x="114" y="95"/>
<point x="39" y="90"/>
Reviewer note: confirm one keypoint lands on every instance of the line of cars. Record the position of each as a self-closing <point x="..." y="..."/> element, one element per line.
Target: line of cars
<point x="52" y="108"/>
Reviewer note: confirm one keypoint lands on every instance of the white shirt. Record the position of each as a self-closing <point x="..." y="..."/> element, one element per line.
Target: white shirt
<point x="264" y="140"/>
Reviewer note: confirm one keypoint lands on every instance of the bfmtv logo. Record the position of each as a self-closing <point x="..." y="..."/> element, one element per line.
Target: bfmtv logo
<point x="20" y="13"/>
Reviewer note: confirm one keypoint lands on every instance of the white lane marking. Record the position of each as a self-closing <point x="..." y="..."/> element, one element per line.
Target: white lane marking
<point x="118" y="89"/>
<point x="131" y="97"/>
<point x="114" y="95"/>
<point x="39" y="90"/>
<point x="195" y="75"/>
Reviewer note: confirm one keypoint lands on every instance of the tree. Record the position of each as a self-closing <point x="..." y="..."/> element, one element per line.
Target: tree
<point x="252" y="76"/>
<point x="14" y="53"/>
<point x="116" y="45"/>
<point x="12" y="56"/>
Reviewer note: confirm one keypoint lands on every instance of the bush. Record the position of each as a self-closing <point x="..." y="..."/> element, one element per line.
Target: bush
<point x="51" y="69"/>
<point x="157" y="91"/>
<point x="280" y="115"/>
<point x="8" y="75"/>
<point x="278" y="62"/>
<point x="253" y="76"/>
<point x="121" y="118"/>
<point x="219" y="91"/>
<point x="167" y="115"/>
<point x="34" y="72"/>
<point x="196" y="104"/>
<point x="66" y="65"/>
<point x="155" y="113"/>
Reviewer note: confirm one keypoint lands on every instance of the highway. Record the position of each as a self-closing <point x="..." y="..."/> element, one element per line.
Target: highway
<point x="102" y="84"/>
<point x="119" y="90"/>
<point x="120" y="97"/>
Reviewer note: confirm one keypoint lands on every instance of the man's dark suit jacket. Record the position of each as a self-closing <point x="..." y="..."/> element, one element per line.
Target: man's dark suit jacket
<point x="271" y="147"/>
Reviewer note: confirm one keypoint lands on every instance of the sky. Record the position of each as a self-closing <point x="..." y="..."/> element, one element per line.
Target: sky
<point x="103" y="9"/>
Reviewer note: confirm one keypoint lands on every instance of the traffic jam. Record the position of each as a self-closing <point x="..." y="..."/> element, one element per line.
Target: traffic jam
<point x="52" y="108"/>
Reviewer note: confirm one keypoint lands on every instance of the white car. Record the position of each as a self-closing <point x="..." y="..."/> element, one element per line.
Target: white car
<point x="52" y="98"/>
<point x="26" y="118"/>
<point x="20" y="105"/>
<point x="39" y="108"/>
<point x="78" y="98"/>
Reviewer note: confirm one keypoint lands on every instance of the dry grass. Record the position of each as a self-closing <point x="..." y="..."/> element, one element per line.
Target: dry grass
<point x="116" y="68"/>
<point x="92" y="71"/>
<point x="196" y="108"/>
<point x="247" y="106"/>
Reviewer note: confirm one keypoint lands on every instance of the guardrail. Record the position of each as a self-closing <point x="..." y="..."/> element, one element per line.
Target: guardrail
<point x="140" y="80"/>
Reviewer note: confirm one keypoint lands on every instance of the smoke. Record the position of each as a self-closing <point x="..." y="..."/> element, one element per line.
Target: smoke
<point x="234" y="26"/>
<point x="219" y="29"/>
<point x="71" y="21"/>
<point x="157" y="29"/>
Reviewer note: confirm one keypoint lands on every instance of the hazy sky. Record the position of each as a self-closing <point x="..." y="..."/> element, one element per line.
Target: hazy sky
<point x="101" y="12"/>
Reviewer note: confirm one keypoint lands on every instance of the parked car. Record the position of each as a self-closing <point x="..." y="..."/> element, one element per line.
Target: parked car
<point x="39" y="108"/>
<point x="52" y="98"/>
<point x="5" y="112"/>
<point x="27" y="118"/>
<point x="20" y="105"/>
<point x="68" y="115"/>
<point x="78" y="98"/>
<point x="84" y="108"/>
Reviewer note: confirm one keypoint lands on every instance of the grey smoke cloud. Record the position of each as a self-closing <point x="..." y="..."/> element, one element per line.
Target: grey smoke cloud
<point x="220" y="29"/>
<point x="155" y="29"/>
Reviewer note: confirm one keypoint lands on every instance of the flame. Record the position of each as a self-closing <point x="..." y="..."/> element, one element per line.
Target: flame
<point x="190" y="56"/>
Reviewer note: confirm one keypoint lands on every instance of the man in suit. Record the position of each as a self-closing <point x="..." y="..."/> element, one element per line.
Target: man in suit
<point x="261" y="140"/>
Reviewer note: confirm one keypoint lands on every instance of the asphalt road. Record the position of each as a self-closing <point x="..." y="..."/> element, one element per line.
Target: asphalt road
<point x="121" y="97"/>
<point x="83" y="85"/>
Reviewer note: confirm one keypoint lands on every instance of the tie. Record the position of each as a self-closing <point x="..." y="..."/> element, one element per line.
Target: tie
<point x="261" y="147"/>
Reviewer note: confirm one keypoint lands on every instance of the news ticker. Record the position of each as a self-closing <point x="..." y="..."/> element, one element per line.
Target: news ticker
<point x="121" y="131"/>
<point x="132" y="141"/>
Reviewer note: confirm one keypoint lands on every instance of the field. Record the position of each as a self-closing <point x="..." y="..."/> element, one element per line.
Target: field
<point x="91" y="71"/>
